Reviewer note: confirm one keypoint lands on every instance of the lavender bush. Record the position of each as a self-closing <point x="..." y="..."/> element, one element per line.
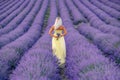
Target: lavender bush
<point x="107" y="9"/>
<point x="115" y="1"/>
<point x="40" y="55"/>
<point x="5" y="3"/>
<point x="7" y="6"/>
<point x="18" y="19"/>
<point x="11" y="53"/>
<point x="109" y="43"/>
<point x="22" y="28"/>
<point x="10" y="10"/>
<point x="110" y="4"/>
<point x="101" y="14"/>
<point x="95" y="21"/>
<point x="5" y="21"/>
<point x="77" y="16"/>
<point x="36" y="64"/>
<point x="83" y="58"/>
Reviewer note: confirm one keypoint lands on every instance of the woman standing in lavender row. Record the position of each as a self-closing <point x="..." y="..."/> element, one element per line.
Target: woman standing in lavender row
<point x="58" y="42"/>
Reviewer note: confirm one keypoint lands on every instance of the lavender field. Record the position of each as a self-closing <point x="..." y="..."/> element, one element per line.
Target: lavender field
<point x="92" y="42"/>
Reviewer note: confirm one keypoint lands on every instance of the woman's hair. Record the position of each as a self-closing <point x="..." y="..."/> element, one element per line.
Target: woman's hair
<point x="58" y="22"/>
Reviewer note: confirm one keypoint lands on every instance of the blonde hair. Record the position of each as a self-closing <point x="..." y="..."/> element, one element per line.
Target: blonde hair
<point x="58" y="22"/>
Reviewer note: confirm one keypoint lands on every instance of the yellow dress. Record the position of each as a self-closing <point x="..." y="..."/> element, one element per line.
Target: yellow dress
<point x="59" y="47"/>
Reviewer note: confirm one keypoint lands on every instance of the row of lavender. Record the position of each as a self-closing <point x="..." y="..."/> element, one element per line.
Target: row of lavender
<point x="2" y="2"/>
<point x="115" y="1"/>
<point x="85" y="60"/>
<point x="95" y="21"/>
<point x="112" y="12"/>
<point x="22" y="28"/>
<point x="6" y="11"/>
<point x="76" y="15"/>
<point x="108" y="43"/>
<point x="8" y="17"/>
<point x="11" y="53"/>
<point x="101" y="14"/>
<point x="16" y="18"/>
<point x="39" y="56"/>
<point x="5" y="4"/>
<point x="111" y="4"/>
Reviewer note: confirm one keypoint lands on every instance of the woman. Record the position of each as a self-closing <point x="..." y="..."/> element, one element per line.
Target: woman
<point x="58" y="42"/>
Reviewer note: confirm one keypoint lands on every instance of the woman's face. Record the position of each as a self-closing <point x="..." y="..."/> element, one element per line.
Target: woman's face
<point x="57" y="19"/>
<point x="58" y="22"/>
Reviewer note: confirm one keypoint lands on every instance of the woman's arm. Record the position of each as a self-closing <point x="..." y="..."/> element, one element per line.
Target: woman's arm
<point x="50" y="32"/>
<point x="65" y="31"/>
